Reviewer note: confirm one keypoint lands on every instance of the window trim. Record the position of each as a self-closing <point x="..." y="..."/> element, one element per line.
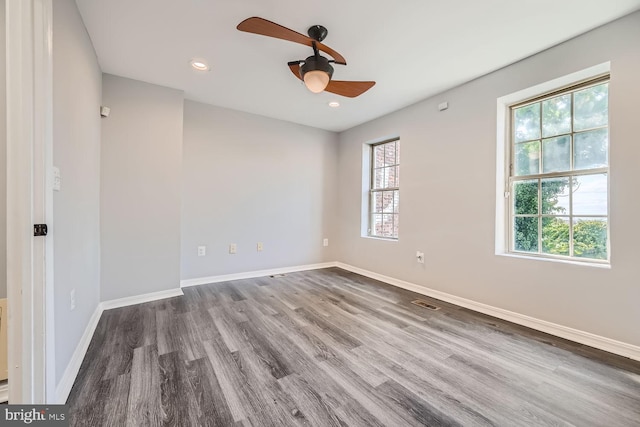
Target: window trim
<point x="509" y="157"/>
<point x="572" y="87"/>
<point x="371" y="189"/>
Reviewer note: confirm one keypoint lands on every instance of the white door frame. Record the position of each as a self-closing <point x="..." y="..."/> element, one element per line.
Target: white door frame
<point x="29" y="201"/>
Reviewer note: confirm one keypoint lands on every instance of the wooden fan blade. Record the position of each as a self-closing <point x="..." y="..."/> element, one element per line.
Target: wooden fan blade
<point x="348" y="89"/>
<point x="339" y="87"/>
<point x="267" y="28"/>
<point x="295" y="69"/>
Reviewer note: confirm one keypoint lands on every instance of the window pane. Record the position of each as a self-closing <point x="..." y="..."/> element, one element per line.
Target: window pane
<point x="527" y="158"/>
<point x="555" y="236"/>
<point x="390" y="153"/>
<point x="377" y="202"/>
<point x="387" y="201"/>
<point x="526" y="234"/>
<point x="385" y="177"/>
<point x="591" y="107"/>
<point x="590" y="238"/>
<point x="392" y="176"/>
<point x="556" y="116"/>
<point x="525" y="197"/>
<point x="395" y="225"/>
<point x="396" y="201"/>
<point x="555" y="196"/>
<point x="387" y="225"/>
<point x="376" y="224"/>
<point x="556" y="154"/>
<point x="378" y="178"/>
<point x="591" y="149"/>
<point x="590" y="195"/>
<point x="398" y="152"/>
<point x="378" y="156"/>
<point x="527" y="122"/>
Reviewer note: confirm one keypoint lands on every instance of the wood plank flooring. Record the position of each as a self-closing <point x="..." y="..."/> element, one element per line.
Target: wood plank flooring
<point x="332" y="348"/>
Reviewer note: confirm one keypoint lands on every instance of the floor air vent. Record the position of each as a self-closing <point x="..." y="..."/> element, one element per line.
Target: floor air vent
<point x="275" y="276"/>
<point x="425" y="304"/>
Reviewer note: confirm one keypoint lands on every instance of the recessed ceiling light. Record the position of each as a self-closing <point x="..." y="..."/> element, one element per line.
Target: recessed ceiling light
<point x="199" y="64"/>
<point x="334" y="104"/>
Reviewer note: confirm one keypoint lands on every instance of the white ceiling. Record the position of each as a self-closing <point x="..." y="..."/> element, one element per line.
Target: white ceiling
<point x="413" y="49"/>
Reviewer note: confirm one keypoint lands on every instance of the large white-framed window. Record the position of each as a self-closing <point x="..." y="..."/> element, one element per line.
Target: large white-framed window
<point x="558" y="174"/>
<point x="384" y="189"/>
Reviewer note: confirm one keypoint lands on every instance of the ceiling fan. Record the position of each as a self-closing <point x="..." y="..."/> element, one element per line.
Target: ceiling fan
<point x="315" y="71"/>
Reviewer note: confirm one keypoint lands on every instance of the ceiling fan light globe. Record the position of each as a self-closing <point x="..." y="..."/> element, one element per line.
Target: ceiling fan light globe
<point x="316" y="81"/>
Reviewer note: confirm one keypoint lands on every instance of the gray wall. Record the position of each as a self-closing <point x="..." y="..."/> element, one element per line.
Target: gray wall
<point x="76" y="151"/>
<point x="448" y="195"/>
<point x="3" y="153"/>
<point x="141" y="162"/>
<point x="249" y="179"/>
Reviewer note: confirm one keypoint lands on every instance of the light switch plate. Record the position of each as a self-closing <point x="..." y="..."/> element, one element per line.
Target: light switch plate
<point x="57" y="180"/>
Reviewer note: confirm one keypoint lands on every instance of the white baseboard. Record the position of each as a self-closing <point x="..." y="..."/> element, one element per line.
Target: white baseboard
<point x="253" y="274"/>
<point x="139" y="299"/>
<point x="582" y="337"/>
<point x="69" y="377"/>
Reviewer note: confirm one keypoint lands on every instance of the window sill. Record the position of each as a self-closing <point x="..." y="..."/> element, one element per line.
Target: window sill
<point x="606" y="266"/>
<point x="384" y="239"/>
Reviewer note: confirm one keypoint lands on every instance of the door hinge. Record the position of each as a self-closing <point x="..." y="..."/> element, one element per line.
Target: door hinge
<point x="40" y="229"/>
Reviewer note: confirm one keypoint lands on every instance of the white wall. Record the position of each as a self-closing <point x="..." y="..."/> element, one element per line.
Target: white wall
<point x="448" y="195"/>
<point x="76" y="151"/>
<point x="3" y="153"/>
<point x="141" y="164"/>
<point x="249" y="179"/>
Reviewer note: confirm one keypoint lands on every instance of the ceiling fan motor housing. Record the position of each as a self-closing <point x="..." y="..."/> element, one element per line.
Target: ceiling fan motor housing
<point x="313" y="63"/>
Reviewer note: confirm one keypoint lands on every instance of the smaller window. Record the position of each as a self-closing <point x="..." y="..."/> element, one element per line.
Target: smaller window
<point x="384" y="194"/>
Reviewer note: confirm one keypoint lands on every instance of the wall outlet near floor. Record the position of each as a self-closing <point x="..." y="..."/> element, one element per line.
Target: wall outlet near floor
<point x="202" y="250"/>
<point x="259" y="247"/>
<point x="420" y="257"/>
<point x="72" y="299"/>
<point x="233" y="248"/>
<point x="325" y="242"/>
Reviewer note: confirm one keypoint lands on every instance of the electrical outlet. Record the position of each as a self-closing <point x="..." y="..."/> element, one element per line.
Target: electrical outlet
<point x="259" y="247"/>
<point x="233" y="248"/>
<point x="202" y="250"/>
<point x="72" y="299"/>
<point x="325" y="242"/>
<point x="420" y="257"/>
